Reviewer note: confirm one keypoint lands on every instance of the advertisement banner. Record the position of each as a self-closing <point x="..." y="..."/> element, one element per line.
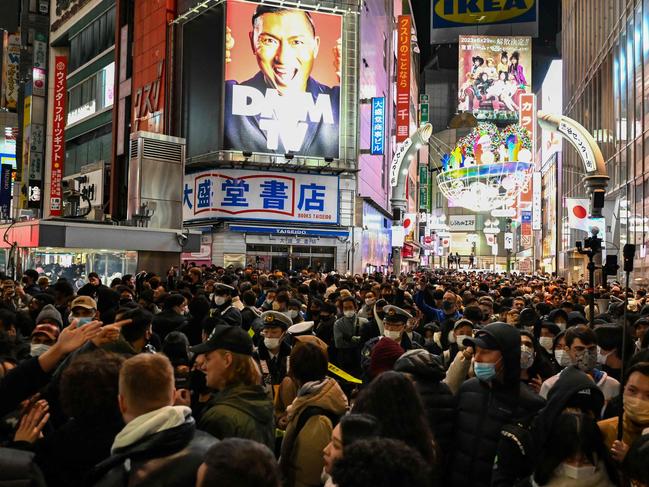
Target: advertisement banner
<point x="403" y="77"/>
<point x="282" y="88"/>
<point x="453" y="18"/>
<point x="551" y="102"/>
<point x="5" y="191"/>
<point x="493" y="74"/>
<point x="536" y="200"/>
<point x="10" y="65"/>
<point x="423" y="188"/>
<point x="58" y="134"/>
<point x="378" y="126"/>
<point x="260" y="195"/>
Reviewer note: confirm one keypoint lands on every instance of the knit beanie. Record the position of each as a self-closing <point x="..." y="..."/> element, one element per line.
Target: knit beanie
<point x="384" y="354"/>
<point x="49" y="312"/>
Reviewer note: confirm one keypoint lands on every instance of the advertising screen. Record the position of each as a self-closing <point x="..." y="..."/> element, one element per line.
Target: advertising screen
<point x="282" y="80"/>
<point x="493" y="73"/>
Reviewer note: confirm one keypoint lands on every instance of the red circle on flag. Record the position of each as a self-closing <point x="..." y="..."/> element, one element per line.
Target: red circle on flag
<point x="579" y="211"/>
<point x="406" y="223"/>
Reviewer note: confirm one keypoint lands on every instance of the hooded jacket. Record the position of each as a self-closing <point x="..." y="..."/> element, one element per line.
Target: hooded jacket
<point x="240" y="411"/>
<point x="485" y="408"/>
<point x="301" y="457"/>
<point x="428" y="373"/>
<point x="168" y="457"/>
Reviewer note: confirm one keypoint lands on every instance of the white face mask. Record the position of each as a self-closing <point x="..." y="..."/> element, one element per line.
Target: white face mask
<point x="292" y="313"/>
<point x="394" y="335"/>
<point x="38" y="349"/>
<point x="219" y="300"/>
<point x="546" y="342"/>
<point x="562" y="326"/>
<point x="349" y="314"/>
<point x="460" y="341"/>
<point x="602" y="357"/>
<point x="271" y="343"/>
<point x="583" y="472"/>
<point x="370" y="301"/>
<point x="563" y="359"/>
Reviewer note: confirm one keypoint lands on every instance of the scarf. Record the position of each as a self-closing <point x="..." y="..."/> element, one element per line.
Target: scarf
<point x="150" y="423"/>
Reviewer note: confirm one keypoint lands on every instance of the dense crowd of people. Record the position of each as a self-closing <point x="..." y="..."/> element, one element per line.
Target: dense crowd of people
<point x="238" y="377"/>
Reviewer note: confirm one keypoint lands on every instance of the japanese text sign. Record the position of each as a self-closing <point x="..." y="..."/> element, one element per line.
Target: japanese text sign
<point x="260" y="195"/>
<point x="378" y="126"/>
<point x="403" y="78"/>
<point x="58" y="134"/>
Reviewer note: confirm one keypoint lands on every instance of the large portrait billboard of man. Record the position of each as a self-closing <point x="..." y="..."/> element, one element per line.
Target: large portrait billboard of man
<point x="282" y="89"/>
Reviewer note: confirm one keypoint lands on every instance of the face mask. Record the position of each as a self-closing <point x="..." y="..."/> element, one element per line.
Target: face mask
<point x="370" y="301"/>
<point x="219" y="300"/>
<point x="394" y="335"/>
<point x="38" y="349"/>
<point x="429" y="341"/>
<point x="269" y="301"/>
<point x="586" y="360"/>
<point x="602" y="357"/>
<point x="562" y="357"/>
<point x="636" y="409"/>
<point x="349" y="314"/>
<point x="271" y="343"/>
<point x="582" y="472"/>
<point x="460" y="341"/>
<point x="562" y="326"/>
<point x="546" y="342"/>
<point x="292" y="313"/>
<point x="529" y="329"/>
<point x="484" y="371"/>
<point x="527" y="357"/>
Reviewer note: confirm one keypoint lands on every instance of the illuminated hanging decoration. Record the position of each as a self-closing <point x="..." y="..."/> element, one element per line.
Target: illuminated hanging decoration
<point x="488" y="168"/>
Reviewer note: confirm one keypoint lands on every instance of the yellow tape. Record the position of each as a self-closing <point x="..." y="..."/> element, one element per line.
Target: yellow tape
<point x="251" y="332"/>
<point x="279" y="433"/>
<point x="343" y="375"/>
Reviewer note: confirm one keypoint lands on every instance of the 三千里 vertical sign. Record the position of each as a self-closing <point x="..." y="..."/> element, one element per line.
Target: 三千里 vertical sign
<point x="403" y="77"/>
<point x="378" y="125"/>
<point x="58" y="134"/>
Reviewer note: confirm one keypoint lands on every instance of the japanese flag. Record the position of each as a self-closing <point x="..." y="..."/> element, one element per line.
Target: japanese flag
<point x="578" y="216"/>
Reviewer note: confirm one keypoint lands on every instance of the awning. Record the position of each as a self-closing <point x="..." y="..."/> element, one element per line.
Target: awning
<point x="79" y="235"/>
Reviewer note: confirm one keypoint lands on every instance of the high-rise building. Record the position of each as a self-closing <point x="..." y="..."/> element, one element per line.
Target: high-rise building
<point x="605" y="50"/>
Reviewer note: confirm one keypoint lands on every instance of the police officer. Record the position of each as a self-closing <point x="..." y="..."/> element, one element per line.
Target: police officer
<point x="394" y="326"/>
<point x="223" y="310"/>
<point x="273" y="351"/>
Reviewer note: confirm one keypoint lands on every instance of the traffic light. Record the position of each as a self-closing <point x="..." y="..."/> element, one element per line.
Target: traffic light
<point x="611" y="266"/>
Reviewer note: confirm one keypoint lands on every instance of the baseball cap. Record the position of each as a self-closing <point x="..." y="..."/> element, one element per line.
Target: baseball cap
<point x="226" y="337"/>
<point x="482" y="339"/>
<point x="83" y="302"/>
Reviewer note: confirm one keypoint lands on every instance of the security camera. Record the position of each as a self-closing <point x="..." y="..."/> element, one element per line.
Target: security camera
<point x="181" y="238"/>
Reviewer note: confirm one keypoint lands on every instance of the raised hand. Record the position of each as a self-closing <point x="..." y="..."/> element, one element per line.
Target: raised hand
<point x="110" y="333"/>
<point x="32" y="423"/>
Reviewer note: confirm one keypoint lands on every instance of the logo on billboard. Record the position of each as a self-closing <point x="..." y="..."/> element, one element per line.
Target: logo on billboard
<point x="457" y="13"/>
<point x="282" y="92"/>
<point x="494" y="73"/>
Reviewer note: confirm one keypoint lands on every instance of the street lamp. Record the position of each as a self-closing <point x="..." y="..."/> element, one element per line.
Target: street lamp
<point x="592" y="246"/>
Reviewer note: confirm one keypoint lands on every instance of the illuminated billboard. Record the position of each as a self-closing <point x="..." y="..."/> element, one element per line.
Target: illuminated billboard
<point x="493" y="73"/>
<point x="282" y="80"/>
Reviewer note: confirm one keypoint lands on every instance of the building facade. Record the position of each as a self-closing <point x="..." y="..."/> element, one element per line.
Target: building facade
<point x="605" y="48"/>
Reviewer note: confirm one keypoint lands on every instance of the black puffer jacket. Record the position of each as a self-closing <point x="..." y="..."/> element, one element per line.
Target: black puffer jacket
<point x="484" y="409"/>
<point x="428" y="373"/>
<point x="169" y="458"/>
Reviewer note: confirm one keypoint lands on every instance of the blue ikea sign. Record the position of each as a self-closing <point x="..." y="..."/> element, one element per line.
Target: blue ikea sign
<point x="463" y="13"/>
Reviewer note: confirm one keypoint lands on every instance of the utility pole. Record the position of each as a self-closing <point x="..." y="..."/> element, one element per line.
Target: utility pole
<point x="592" y="247"/>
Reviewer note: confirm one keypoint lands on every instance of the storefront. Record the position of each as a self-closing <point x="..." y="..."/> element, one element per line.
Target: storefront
<point x="74" y="249"/>
<point x="376" y="240"/>
<point x="281" y="247"/>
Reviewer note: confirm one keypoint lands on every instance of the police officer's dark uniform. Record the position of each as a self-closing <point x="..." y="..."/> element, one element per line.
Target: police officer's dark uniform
<point x="225" y="313"/>
<point x="273" y="367"/>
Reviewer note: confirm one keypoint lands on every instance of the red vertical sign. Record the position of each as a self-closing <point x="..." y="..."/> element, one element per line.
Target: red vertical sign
<point x="58" y="134"/>
<point x="403" y="78"/>
<point x="527" y="119"/>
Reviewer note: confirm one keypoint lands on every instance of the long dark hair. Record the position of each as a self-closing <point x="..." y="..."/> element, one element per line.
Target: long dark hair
<point x="393" y="400"/>
<point x="573" y="434"/>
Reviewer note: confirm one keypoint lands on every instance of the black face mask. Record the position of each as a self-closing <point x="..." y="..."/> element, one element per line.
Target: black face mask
<point x="198" y="382"/>
<point x="124" y="301"/>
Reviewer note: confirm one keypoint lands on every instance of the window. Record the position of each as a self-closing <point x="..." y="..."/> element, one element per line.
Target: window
<point x="91" y="95"/>
<point x="94" y="39"/>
